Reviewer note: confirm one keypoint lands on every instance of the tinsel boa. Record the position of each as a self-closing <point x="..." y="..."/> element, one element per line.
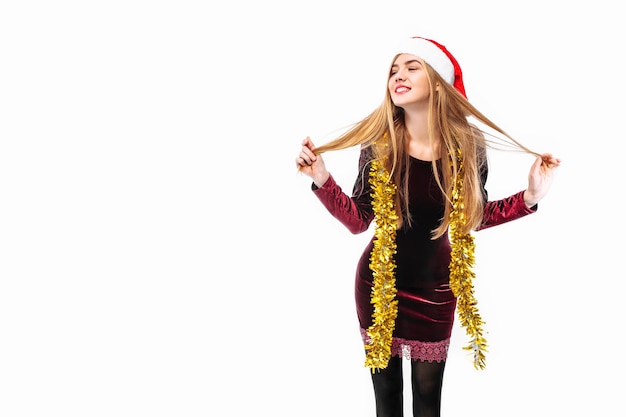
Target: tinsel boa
<point x="462" y="275"/>
<point x="382" y="264"/>
<point x="383" y="296"/>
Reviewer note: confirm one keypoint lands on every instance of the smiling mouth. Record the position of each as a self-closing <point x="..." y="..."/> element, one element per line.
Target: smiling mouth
<point x="401" y="90"/>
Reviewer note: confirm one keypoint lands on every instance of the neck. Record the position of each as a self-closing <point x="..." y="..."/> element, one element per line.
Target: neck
<point x="418" y="141"/>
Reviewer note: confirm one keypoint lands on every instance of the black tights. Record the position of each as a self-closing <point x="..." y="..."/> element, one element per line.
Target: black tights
<point x="426" y="381"/>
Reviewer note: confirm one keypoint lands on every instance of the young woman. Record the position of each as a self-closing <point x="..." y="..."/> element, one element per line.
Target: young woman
<point x="421" y="179"/>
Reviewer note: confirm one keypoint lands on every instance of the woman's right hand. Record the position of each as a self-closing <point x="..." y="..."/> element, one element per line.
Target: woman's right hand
<point x="311" y="164"/>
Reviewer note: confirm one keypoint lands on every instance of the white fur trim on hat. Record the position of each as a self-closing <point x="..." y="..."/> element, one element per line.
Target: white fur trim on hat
<point x="431" y="54"/>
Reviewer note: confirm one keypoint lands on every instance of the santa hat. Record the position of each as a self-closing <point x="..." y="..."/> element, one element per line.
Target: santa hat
<point x="438" y="57"/>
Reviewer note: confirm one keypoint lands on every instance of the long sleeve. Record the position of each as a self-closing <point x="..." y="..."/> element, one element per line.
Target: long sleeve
<point x="354" y="212"/>
<point x="505" y="210"/>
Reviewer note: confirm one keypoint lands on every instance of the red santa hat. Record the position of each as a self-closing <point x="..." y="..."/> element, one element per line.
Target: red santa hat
<point x="438" y="57"/>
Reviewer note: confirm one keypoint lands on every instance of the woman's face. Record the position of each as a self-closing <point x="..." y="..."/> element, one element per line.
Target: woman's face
<point x="408" y="83"/>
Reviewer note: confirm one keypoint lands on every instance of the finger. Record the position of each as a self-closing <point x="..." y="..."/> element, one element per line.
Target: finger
<point x="308" y="143"/>
<point x="308" y="154"/>
<point x="304" y="159"/>
<point x="549" y="161"/>
<point x="549" y="157"/>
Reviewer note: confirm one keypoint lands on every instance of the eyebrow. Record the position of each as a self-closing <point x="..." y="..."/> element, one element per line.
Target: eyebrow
<point x="411" y="61"/>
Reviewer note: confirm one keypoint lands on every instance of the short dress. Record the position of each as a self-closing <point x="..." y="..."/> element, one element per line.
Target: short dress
<point x="426" y="304"/>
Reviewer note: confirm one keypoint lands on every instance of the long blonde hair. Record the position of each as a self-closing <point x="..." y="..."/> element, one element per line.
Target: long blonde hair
<point x="449" y="113"/>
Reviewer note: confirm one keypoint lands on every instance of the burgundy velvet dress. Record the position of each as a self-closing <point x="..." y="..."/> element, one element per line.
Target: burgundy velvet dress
<point x="426" y="304"/>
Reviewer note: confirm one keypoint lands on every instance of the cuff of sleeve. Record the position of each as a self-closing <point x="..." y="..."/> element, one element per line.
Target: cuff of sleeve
<point x="330" y="183"/>
<point x="527" y="210"/>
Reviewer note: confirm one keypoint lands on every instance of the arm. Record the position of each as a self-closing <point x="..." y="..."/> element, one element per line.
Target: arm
<point x="353" y="212"/>
<point x="504" y="210"/>
<point x="524" y="202"/>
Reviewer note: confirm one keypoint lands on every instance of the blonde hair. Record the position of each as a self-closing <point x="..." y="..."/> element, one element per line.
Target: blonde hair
<point x="449" y="111"/>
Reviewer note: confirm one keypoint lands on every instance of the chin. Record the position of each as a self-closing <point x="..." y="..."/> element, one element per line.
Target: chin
<point x="398" y="102"/>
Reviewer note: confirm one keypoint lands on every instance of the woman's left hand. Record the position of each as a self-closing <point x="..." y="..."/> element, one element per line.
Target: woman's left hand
<point x="540" y="178"/>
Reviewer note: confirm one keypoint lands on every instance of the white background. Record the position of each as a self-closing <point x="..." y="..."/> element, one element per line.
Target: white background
<point x="160" y="256"/>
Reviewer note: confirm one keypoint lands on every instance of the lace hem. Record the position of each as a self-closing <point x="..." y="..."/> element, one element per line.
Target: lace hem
<point x="414" y="349"/>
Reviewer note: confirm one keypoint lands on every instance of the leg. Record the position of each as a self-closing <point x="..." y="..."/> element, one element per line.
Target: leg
<point x="427" y="381"/>
<point x="388" y="389"/>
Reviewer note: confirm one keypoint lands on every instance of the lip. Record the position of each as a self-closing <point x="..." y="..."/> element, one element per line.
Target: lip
<point x="401" y="89"/>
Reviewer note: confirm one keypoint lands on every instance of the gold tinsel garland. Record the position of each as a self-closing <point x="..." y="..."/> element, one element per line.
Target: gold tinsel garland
<point x="382" y="264"/>
<point x="461" y="273"/>
<point x="383" y="268"/>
